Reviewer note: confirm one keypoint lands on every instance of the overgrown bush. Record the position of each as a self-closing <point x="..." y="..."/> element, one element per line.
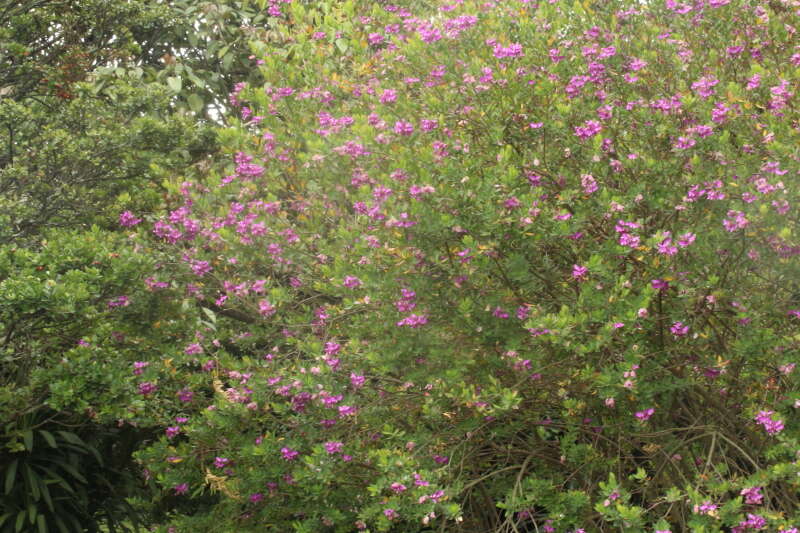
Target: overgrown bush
<point x="490" y="266"/>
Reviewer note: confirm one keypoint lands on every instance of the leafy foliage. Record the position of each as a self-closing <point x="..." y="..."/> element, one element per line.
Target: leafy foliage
<point x="473" y="267"/>
<point x="492" y="267"/>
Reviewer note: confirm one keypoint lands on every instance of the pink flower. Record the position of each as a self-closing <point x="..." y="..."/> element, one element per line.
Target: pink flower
<point x="513" y="50"/>
<point x="391" y="514"/>
<point x="333" y="447"/>
<point x="403" y="128"/>
<point x="660" y="284"/>
<point x="589" y="129"/>
<point x="686" y="239"/>
<point x="119" y="301"/>
<point x="388" y="96"/>
<point x="413" y="321"/>
<point x="580" y="272"/>
<point x="351" y="282"/>
<point x="771" y="425"/>
<point x="127" y="219"/>
<point x="679" y="329"/>
<point x="705" y="508"/>
<point x="752" y="495"/>
<point x="193" y="349"/>
<point x="289" y="454"/>
<point x="265" y="308"/>
<point x="588" y="183"/>
<point x="646" y="414"/>
<point x="146" y="388"/>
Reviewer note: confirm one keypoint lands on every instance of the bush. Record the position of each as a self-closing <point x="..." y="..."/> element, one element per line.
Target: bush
<point x="497" y="266"/>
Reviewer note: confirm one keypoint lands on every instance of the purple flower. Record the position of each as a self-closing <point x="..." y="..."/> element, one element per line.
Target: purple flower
<point x="428" y="125"/>
<point x="752" y="495"/>
<point x="256" y="497"/>
<point x="391" y="514"/>
<point x="589" y="129"/>
<point x="403" y="128"/>
<point x="332" y="348"/>
<point x="388" y="96"/>
<point x="646" y="414"/>
<point x="397" y="487"/>
<point x="772" y="426"/>
<point x="146" y="388"/>
<point x="185" y="395"/>
<point x="265" y="308"/>
<point x="172" y="431"/>
<point x="631" y="241"/>
<point x="119" y="301"/>
<point x="127" y="219"/>
<point x="686" y="239"/>
<point x="413" y="321"/>
<point x="705" y="508"/>
<point x="182" y="488"/>
<point x="333" y="447"/>
<point x="679" y="329"/>
<point x="347" y="410"/>
<point x="513" y="50"/>
<point x="352" y="282"/>
<point x="660" y="284"/>
<point x="193" y="349"/>
<point x="221" y="462"/>
<point x="588" y="183"/>
<point x="289" y="454"/>
<point x="704" y="87"/>
<point x="499" y="312"/>
<point x="580" y="272"/>
<point x="735" y="221"/>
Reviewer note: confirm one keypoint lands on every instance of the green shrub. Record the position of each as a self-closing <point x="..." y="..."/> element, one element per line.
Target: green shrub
<point x="490" y="266"/>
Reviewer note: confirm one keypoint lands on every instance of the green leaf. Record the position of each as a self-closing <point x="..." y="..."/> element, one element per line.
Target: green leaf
<point x="71" y="437"/>
<point x="62" y="527"/>
<point x="31" y="482"/>
<point x="195" y="102"/>
<point x="58" y="479"/>
<point x="41" y="524"/>
<point x="175" y="83"/>
<point x="27" y="436"/>
<point x="46" y="495"/>
<point x="49" y="438"/>
<point x="227" y="60"/>
<point x="20" y="521"/>
<point x="11" y="475"/>
<point x="210" y="314"/>
<point x="72" y="471"/>
<point x="341" y="44"/>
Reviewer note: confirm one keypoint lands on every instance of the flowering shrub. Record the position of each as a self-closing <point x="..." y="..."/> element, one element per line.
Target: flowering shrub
<point x="491" y="266"/>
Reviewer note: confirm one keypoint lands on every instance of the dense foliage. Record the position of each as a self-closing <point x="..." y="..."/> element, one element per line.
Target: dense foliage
<point x="478" y="267"/>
